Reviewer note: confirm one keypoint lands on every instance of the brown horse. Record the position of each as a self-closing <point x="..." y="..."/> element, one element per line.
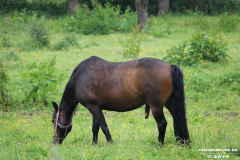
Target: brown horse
<point x="123" y="86"/>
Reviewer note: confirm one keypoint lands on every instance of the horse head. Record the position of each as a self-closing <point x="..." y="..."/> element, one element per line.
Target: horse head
<point x="62" y="126"/>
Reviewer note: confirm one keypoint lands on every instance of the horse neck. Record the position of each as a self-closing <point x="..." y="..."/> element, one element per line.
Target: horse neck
<point x="65" y="113"/>
<point x="68" y="102"/>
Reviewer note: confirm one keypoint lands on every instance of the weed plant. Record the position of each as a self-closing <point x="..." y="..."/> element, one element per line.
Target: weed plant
<point x="38" y="31"/>
<point x="69" y="40"/>
<point x="4" y="95"/>
<point x="23" y="14"/>
<point x="177" y="54"/>
<point x="41" y="80"/>
<point x="5" y="40"/>
<point x="131" y="45"/>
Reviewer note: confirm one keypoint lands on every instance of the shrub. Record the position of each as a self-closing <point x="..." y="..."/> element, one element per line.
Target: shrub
<point x="209" y="7"/>
<point x="5" y="40"/>
<point x="4" y="96"/>
<point x="23" y="15"/>
<point x="202" y="47"/>
<point x="61" y="45"/>
<point x="101" y="20"/>
<point x="127" y="21"/>
<point x="176" y="54"/>
<point x="205" y="47"/>
<point x="131" y="46"/>
<point x="38" y="31"/>
<point x="40" y="81"/>
<point x="69" y="40"/>
<point x="52" y="7"/>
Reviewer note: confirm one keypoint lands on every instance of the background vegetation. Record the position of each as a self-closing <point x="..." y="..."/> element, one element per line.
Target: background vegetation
<point x="60" y="7"/>
<point x="38" y="54"/>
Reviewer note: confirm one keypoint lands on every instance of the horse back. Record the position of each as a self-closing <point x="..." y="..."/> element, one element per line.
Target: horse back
<point x="122" y="86"/>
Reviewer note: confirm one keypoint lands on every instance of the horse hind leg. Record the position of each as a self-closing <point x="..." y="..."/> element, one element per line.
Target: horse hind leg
<point x="169" y="106"/>
<point x="161" y="122"/>
<point x="96" y="111"/>
<point x="147" y="110"/>
<point x="95" y="130"/>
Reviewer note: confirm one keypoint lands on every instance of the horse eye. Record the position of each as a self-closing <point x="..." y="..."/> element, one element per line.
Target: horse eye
<point x="52" y="121"/>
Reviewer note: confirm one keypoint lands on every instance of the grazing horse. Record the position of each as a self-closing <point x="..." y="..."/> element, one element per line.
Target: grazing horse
<point x="123" y="86"/>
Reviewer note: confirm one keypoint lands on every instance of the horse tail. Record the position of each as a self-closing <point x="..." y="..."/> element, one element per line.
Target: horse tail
<point x="178" y="105"/>
<point x="147" y="109"/>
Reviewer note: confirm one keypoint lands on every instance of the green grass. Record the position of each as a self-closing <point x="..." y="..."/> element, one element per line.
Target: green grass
<point x="212" y="99"/>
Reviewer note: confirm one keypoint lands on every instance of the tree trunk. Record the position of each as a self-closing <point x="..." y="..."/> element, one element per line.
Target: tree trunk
<point x="142" y="14"/>
<point x="72" y="4"/>
<point x="163" y="6"/>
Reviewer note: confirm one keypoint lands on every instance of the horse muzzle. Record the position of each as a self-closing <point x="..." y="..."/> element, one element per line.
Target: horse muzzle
<point x="56" y="140"/>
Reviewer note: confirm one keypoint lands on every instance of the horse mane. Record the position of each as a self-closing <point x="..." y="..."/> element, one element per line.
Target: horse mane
<point x="75" y="108"/>
<point x="75" y="70"/>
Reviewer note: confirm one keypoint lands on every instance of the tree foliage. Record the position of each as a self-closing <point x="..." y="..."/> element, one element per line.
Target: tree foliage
<point x="206" y="6"/>
<point x="60" y="7"/>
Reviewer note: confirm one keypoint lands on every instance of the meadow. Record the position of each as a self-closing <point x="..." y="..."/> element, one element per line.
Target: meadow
<point x="212" y="91"/>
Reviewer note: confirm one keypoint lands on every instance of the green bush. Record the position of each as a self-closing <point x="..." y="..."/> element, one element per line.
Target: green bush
<point x="23" y="15"/>
<point x="208" y="7"/>
<point x="201" y="47"/>
<point x="131" y="45"/>
<point x="39" y="81"/>
<point x="61" y="45"/>
<point x="177" y="54"/>
<point x="38" y="31"/>
<point x="127" y="21"/>
<point x="4" y="95"/>
<point x="205" y="47"/>
<point x="5" y="40"/>
<point x="69" y="40"/>
<point x="100" y="20"/>
<point x="52" y="7"/>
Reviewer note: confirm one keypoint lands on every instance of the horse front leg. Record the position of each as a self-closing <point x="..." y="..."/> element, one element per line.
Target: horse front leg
<point x="95" y="129"/>
<point x="96" y="111"/>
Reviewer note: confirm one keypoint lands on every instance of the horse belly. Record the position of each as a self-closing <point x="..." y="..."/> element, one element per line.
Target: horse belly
<point x="123" y="104"/>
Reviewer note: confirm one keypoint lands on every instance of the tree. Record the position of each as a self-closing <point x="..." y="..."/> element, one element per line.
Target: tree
<point x="72" y="4"/>
<point x="163" y="6"/>
<point x="142" y="14"/>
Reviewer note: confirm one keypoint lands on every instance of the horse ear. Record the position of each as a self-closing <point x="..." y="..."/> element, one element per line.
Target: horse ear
<point x="55" y="106"/>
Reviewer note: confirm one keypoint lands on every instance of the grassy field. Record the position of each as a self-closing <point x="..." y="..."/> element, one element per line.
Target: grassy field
<point x="212" y="92"/>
